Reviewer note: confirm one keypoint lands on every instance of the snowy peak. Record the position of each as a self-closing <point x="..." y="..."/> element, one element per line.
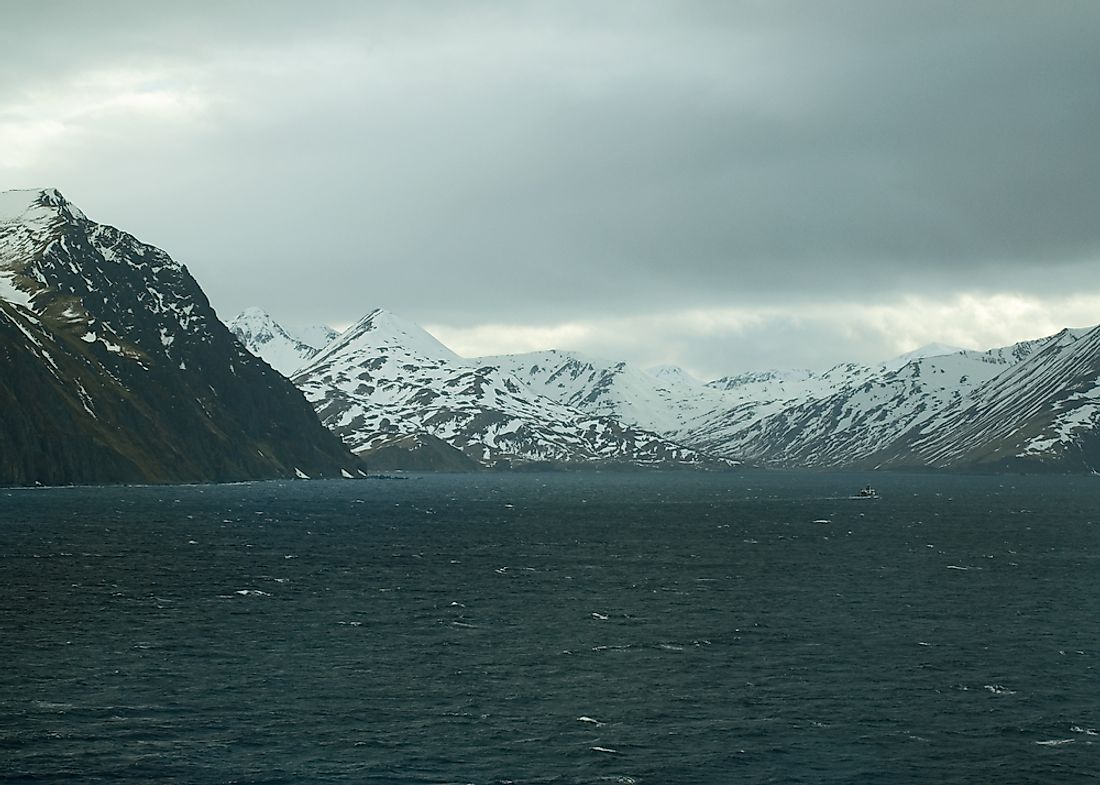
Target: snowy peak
<point x="269" y="340"/>
<point x="386" y="377"/>
<point x="42" y="205"/>
<point x="757" y="378"/>
<point x="383" y="332"/>
<point x="609" y="389"/>
<point x="111" y="355"/>
<point x="316" y="335"/>
<point x="928" y="350"/>
<point x="673" y="374"/>
<point x="102" y="284"/>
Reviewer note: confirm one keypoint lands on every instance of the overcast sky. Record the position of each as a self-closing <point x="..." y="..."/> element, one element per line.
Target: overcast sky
<point x="723" y="185"/>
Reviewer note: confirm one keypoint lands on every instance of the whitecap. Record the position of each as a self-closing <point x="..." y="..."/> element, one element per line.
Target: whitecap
<point x="592" y="720"/>
<point x="997" y="689"/>
<point x="604" y="749"/>
<point x="600" y="616"/>
<point x="52" y="706"/>
<point x="1055" y="742"/>
<point x="252" y="593"/>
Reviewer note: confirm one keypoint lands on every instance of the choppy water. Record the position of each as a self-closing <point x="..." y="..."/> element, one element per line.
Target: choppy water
<point x="572" y="628"/>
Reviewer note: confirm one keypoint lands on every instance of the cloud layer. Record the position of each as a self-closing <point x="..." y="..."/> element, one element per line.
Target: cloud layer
<point x="588" y="172"/>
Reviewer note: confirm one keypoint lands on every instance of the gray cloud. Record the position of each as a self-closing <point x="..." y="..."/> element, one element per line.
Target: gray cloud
<point x="485" y="162"/>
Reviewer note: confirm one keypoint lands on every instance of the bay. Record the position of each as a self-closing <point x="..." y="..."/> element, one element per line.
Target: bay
<point x="750" y="627"/>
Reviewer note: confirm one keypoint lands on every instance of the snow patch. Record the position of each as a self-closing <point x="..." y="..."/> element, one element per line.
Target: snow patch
<point x="11" y="293"/>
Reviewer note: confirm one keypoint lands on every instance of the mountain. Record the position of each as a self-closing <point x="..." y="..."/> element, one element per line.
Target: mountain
<point x="275" y="344"/>
<point x="114" y="367"/>
<point x="673" y="374"/>
<point x="904" y="416"/>
<point x="1029" y="406"/>
<point x="316" y="336"/>
<point x="1026" y="406"/>
<point x="608" y="389"/>
<point x="1042" y="412"/>
<point x="928" y="350"/>
<point x="385" y="378"/>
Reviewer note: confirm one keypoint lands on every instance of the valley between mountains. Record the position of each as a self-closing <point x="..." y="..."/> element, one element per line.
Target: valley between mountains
<point x="115" y="368"/>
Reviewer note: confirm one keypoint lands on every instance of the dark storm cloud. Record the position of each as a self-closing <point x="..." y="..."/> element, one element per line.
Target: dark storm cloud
<point x="465" y="162"/>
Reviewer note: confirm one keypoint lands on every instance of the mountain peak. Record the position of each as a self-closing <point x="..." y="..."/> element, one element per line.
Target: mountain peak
<point x="382" y="330"/>
<point x="256" y="320"/>
<point x="673" y="373"/>
<point x="928" y="350"/>
<point x="255" y="312"/>
<point x="36" y="205"/>
<point x="113" y="358"/>
<point x="266" y="338"/>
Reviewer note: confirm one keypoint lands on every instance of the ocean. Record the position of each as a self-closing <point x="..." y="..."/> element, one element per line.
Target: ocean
<point x="590" y="627"/>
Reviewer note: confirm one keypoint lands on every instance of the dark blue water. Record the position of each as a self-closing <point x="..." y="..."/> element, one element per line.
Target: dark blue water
<point x="571" y="628"/>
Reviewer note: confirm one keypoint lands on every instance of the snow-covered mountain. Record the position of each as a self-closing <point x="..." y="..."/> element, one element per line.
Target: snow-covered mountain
<point x="317" y="336"/>
<point x="673" y="374"/>
<point x="608" y="389"/>
<point x="928" y="350"/>
<point x="921" y="409"/>
<point x="284" y="349"/>
<point x="114" y="367"/>
<point x="918" y="414"/>
<point x="385" y="377"/>
<point x="1042" y="411"/>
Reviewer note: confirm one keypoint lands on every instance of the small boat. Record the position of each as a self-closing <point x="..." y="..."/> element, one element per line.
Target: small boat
<point x="866" y="493"/>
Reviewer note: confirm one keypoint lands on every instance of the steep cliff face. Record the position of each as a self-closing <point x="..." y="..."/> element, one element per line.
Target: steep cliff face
<point x="114" y="367"/>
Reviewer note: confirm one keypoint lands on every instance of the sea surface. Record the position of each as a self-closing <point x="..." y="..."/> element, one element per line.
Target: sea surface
<point x="650" y="628"/>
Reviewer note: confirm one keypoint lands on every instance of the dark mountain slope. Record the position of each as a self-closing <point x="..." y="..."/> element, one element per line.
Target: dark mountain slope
<point x="114" y="367"/>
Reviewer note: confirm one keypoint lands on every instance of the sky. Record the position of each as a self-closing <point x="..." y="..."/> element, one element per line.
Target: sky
<point x="727" y="186"/>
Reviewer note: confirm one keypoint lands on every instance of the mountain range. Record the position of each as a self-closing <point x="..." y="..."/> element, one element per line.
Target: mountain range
<point x="1032" y="406"/>
<point x="115" y="368"/>
<point x="385" y="378"/>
